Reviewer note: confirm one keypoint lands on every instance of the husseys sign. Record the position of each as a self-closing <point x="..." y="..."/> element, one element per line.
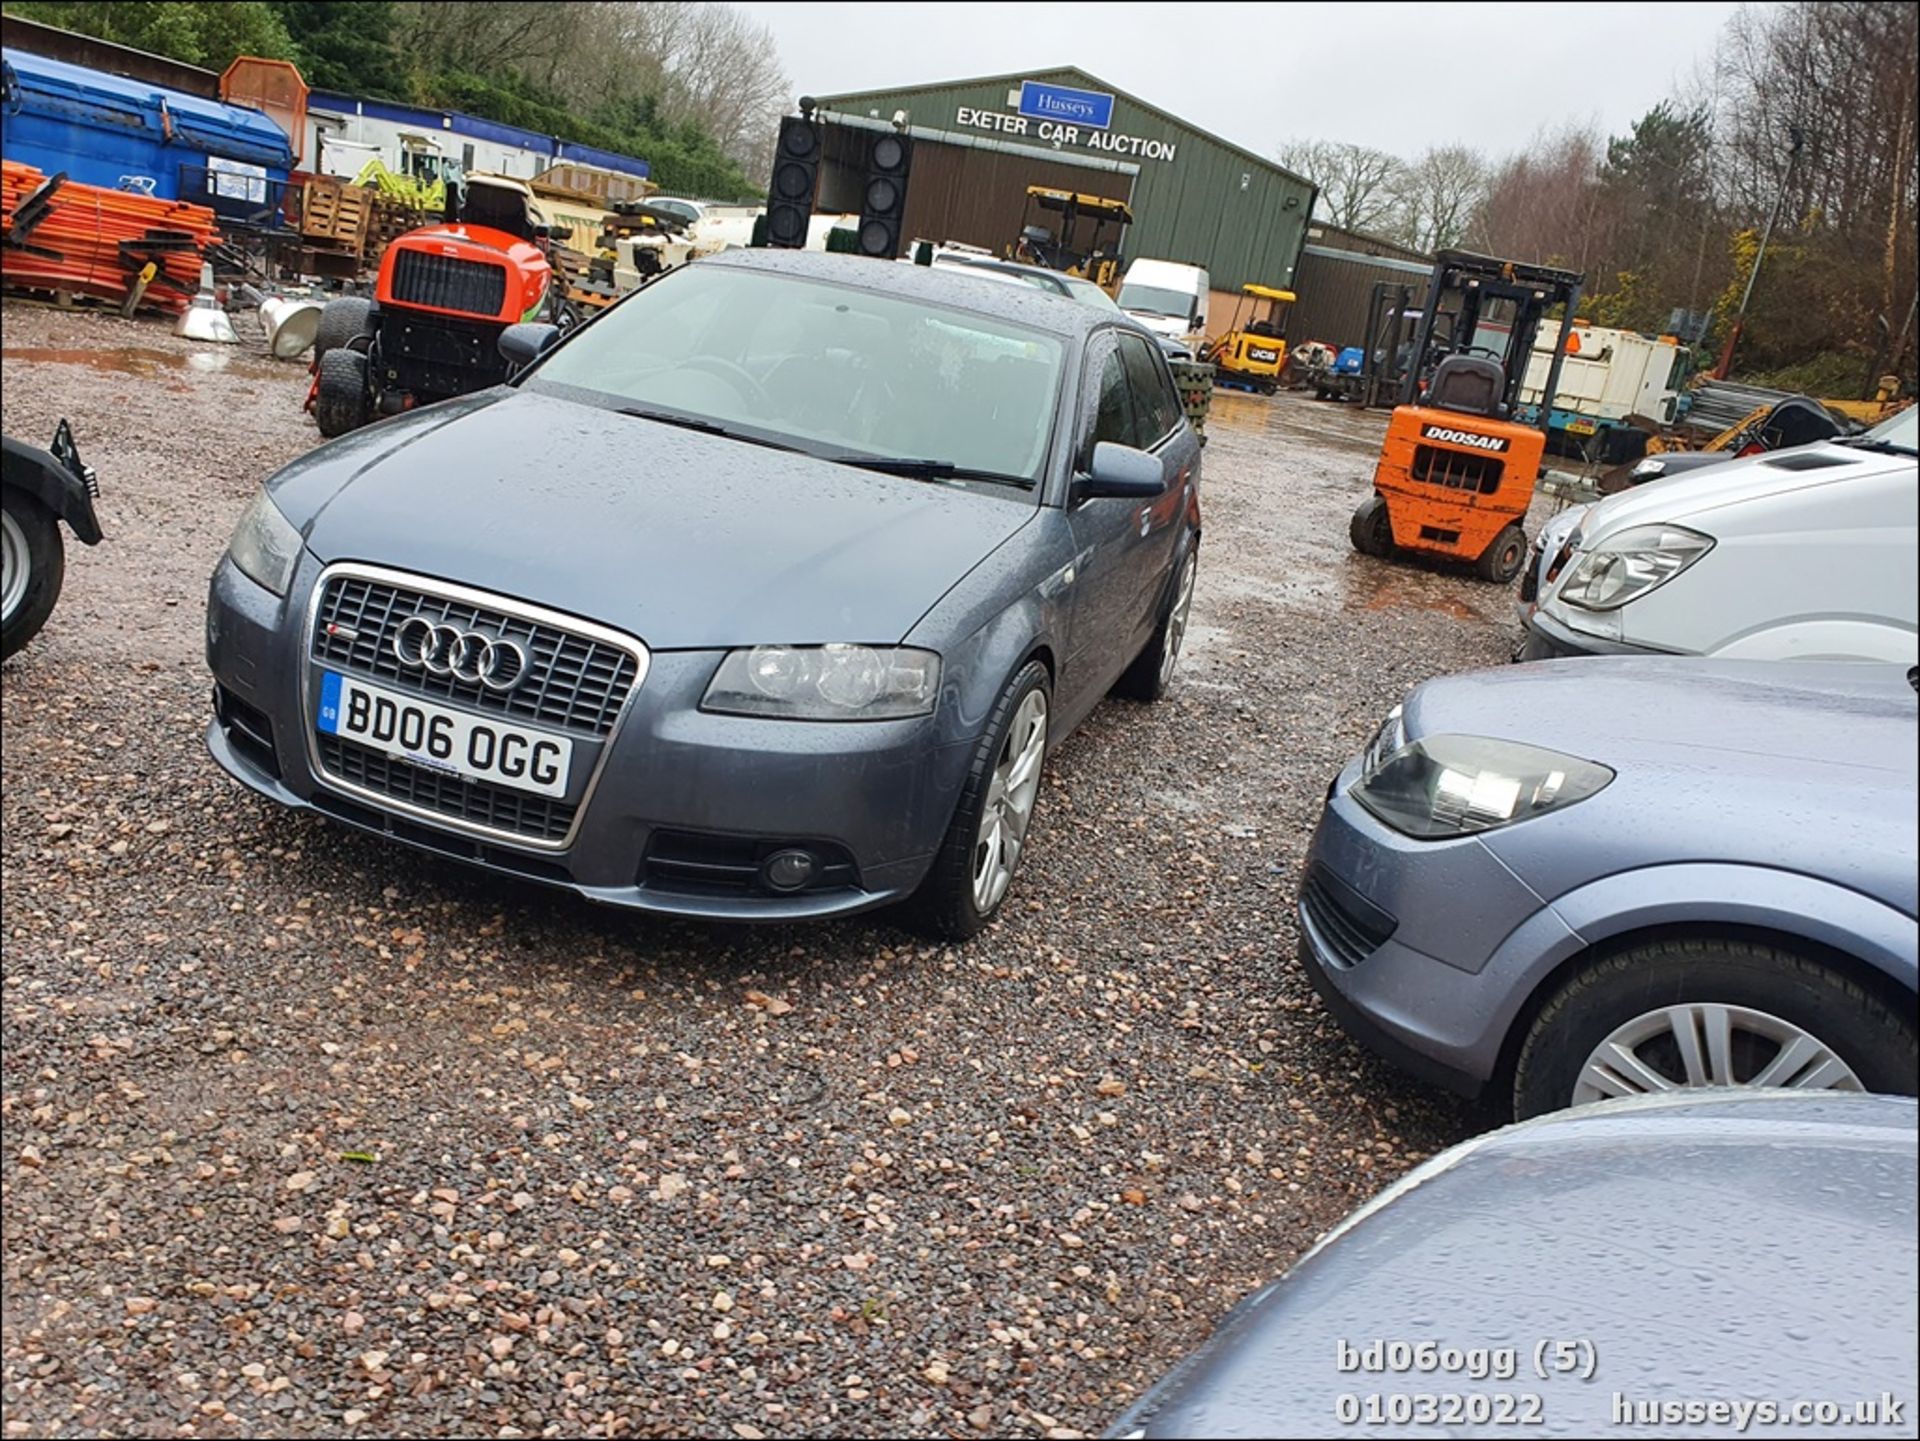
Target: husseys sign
<point x="1061" y="115"/>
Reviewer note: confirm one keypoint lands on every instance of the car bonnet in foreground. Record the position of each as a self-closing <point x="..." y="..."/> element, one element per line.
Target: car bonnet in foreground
<point x="1726" y="1245"/>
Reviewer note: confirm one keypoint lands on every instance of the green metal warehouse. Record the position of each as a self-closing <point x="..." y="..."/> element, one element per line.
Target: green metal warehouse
<point x="979" y="143"/>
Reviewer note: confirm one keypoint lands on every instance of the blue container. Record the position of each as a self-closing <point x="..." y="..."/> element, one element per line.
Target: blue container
<point x="130" y="135"/>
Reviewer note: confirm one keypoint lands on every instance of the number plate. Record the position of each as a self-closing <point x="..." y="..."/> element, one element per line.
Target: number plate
<point x="475" y="748"/>
<point x="1582" y="427"/>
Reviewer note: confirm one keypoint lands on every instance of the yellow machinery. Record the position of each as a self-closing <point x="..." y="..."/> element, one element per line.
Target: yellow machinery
<point x="1251" y="354"/>
<point x="1087" y="255"/>
<point x="423" y="177"/>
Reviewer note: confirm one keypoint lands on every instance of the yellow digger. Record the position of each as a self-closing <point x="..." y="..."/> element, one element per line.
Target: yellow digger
<point x="1251" y="354"/>
<point x="1065" y="251"/>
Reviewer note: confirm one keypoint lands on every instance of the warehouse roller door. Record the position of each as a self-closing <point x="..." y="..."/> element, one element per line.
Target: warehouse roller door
<point x="957" y="192"/>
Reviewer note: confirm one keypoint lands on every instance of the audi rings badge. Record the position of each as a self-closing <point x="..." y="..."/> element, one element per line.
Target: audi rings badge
<point x="470" y="656"/>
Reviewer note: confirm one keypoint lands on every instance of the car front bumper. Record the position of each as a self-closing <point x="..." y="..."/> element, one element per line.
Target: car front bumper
<point x="1546" y="638"/>
<point x="1436" y="992"/>
<point x="682" y="809"/>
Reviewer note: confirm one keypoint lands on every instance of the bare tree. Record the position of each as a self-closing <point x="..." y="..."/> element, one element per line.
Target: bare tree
<point x="709" y="64"/>
<point x="1437" y="195"/>
<point x="704" y="64"/>
<point x="1356" y="182"/>
<point x="1542" y="204"/>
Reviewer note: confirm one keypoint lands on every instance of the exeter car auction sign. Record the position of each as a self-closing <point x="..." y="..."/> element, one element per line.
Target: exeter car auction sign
<point x="1060" y="115"/>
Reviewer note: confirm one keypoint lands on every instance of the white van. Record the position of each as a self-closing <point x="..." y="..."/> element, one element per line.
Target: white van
<point x="1802" y="554"/>
<point x="1168" y="298"/>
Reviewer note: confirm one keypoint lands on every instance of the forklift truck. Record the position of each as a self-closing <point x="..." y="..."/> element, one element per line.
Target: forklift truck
<point x="1456" y="471"/>
<point x="1092" y="260"/>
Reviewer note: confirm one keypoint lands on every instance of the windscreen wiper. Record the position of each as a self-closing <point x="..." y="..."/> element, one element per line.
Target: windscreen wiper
<point x="1879" y="447"/>
<point x="705" y="427"/>
<point x="929" y="469"/>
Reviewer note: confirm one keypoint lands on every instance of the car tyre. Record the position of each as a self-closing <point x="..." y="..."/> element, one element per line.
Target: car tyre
<point x="35" y="565"/>
<point x="1371" y="529"/>
<point x="1500" y="562"/>
<point x="342" y="320"/>
<point x="1150" y="676"/>
<point x="1765" y="987"/>
<point x="949" y="906"/>
<point x="342" y="404"/>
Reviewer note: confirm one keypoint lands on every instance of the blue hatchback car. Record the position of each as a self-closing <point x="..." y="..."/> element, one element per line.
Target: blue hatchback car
<point x="1608" y="877"/>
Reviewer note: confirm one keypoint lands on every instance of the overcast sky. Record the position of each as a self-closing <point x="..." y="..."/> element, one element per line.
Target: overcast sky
<point x="1260" y="74"/>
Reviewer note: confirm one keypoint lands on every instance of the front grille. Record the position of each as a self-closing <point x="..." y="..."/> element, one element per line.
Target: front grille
<point x="1457" y="469"/>
<point x="1352" y="927"/>
<point x="477" y="803"/>
<point x="449" y="283"/>
<point x="576" y="683"/>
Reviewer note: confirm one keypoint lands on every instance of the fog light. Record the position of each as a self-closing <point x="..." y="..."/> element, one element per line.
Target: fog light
<point x="788" y="870"/>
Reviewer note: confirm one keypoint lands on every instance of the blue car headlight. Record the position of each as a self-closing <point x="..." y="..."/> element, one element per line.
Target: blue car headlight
<point x="826" y="682"/>
<point x="1443" y="786"/>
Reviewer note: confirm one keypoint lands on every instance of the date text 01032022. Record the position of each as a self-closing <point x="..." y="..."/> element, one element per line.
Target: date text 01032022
<point x="1054" y="132"/>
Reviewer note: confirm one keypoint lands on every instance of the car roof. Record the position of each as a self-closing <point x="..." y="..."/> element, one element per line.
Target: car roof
<point x="947" y="285"/>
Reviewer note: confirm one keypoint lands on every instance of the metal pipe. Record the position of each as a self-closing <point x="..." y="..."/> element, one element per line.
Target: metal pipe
<point x="978" y="142"/>
<point x="1552" y="391"/>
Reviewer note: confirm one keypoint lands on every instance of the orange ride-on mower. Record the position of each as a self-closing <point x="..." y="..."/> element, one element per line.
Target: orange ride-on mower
<point x="1456" y="474"/>
<point x="444" y="295"/>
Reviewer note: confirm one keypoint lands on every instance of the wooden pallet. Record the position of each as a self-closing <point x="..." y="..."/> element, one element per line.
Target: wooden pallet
<point x="334" y="212"/>
<point x="591" y="296"/>
<point x="1194" y="380"/>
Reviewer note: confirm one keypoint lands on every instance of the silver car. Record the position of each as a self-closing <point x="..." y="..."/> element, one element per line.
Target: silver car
<point x="762" y="596"/>
<point x="1581" y="879"/>
<point x="1667" y="1266"/>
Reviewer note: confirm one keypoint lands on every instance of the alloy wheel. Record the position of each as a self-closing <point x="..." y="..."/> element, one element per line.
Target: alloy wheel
<point x="1009" y="804"/>
<point x="1703" y="1043"/>
<point x="1177" y="620"/>
<point x="15" y="565"/>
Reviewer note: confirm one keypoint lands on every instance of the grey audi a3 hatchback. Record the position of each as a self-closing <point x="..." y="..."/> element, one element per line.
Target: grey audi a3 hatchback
<point x="762" y="596"/>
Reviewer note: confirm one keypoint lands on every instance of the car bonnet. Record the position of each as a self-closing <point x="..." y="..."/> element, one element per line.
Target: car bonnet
<point x="688" y="541"/>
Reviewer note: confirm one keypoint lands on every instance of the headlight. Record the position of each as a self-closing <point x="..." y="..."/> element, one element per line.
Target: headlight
<point x="1652" y="468"/>
<point x="1447" y="785"/>
<point x="265" y="546"/>
<point x="826" y="682"/>
<point x="1388" y="739"/>
<point x="1626" y="566"/>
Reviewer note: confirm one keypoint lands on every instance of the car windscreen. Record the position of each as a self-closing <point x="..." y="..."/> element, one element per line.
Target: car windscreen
<point x="1087" y="293"/>
<point x="1004" y="275"/>
<point x="833" y="369"/>
<point x="1155" y="300"/>
<point x="1900" y="432"/>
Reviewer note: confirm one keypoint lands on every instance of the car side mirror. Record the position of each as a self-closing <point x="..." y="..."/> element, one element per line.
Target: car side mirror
<point x="522" y="344"/>
<point x="1120" y="472"/>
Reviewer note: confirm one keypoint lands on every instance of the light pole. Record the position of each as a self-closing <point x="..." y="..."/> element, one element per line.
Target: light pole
<point x="1796" y="138"/>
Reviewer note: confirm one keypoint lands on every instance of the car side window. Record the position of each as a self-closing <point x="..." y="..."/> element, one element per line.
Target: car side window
<point x="1115" y="419"/>
<point x="1156" y="409"/>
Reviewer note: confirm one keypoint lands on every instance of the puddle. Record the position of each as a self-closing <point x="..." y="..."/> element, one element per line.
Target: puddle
<point x="1395" y="596"/>
<point x="146" y="362"/>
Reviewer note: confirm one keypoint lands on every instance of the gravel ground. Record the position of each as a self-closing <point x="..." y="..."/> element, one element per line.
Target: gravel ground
<point x="308" y="1134"/>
